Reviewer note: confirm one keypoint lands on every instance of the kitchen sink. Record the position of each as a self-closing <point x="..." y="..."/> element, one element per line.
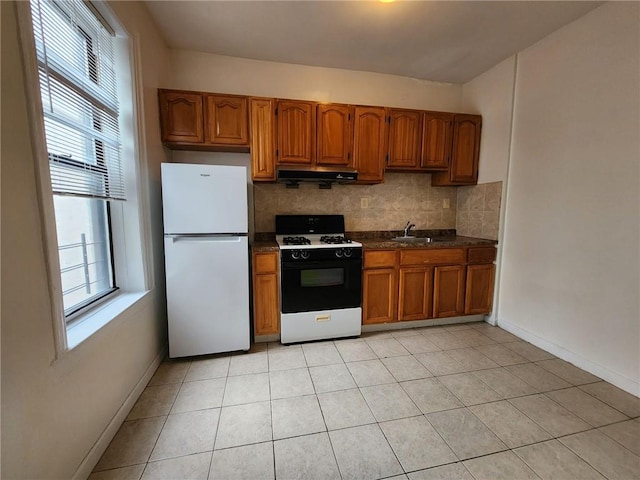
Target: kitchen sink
<point x="406" y="239"/>
<point x="420" y="240"/>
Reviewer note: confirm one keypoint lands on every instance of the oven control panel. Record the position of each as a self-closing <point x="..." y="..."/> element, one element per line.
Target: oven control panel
<point x="319" y="254"/>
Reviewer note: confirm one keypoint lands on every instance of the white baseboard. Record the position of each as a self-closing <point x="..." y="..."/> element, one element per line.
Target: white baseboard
<point x="627" y="384"/>
<point x="491" y="319"/>
<point x="94" y="455"/>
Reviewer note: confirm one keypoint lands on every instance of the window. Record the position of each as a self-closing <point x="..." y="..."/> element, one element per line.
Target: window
<point x="75" y="55"/>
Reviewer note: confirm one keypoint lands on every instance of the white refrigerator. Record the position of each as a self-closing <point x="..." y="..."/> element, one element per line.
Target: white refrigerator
<point x="206" y="256"/>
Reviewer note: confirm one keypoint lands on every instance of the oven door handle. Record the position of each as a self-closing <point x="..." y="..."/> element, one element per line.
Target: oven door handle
<point x="344" y="263"/>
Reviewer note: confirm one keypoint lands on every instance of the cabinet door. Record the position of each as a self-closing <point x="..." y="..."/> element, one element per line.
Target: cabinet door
<point x="296" y="132"/>
<point x="266" y="293"/>
<point x="448" y="291"/>
<point x="465" y="153"/>
<point x="379" y="296"/>
<point x="334" y="134"/>
<point x="227" y="120"/>
<point x="415" y="293"/>
<point x="437" y="132"/>
<point x="404" y="139"/>
<point x="479" y="293"/>
<point x="369" y="143"/>
<point x="266" y="311"/>
<point x="181" y="117"/>
<point x="466" y="149"/>
<point x="263" y="139"/>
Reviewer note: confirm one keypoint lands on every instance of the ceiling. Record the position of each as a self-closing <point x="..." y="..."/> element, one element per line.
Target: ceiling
<point x="443" y="41"/>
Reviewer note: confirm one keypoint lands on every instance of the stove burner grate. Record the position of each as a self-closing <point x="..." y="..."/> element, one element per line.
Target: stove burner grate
<point x="296" y="241"/>
<point x="334" y="239"/>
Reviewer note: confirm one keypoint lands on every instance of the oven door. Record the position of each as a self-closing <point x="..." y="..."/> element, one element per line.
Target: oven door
<point x="320" y="285"/>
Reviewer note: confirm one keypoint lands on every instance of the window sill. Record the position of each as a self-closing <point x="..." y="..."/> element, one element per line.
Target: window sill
<point x="89" y="323"/>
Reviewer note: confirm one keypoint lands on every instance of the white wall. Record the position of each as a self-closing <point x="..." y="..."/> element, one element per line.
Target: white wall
<point x="216" y="73"/>
<point x="491" y="95"/>
<point x="570" y="276"/>
<point x="53" y="412"/>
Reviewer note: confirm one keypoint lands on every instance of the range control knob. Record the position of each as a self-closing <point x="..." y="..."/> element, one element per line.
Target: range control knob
<point x="347" y="252"/>
<point x="339" y="253"/>
<point x="295" y="254"/>
<point x="304" y="254"/>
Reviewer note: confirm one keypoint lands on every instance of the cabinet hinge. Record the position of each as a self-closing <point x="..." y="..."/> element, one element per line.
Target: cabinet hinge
<point x="387" y="158"/>
<point x="348" y="116"/>
<point x="277" y="152"/>
<point x="348" y="155"/>
<point x="389" y="119"/>
<point x="276" y="111"/>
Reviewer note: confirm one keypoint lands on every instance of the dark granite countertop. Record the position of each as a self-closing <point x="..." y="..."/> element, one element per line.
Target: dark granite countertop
<point x="444" y="239"/>
<point x="266" y="242"/>
<point x="268" y="246"/>
<point x="441" y="242"/>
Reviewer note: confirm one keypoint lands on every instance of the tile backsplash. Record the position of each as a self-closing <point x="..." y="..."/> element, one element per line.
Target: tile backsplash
<point x="402" y="197"/>
<point x="478" y="210"/>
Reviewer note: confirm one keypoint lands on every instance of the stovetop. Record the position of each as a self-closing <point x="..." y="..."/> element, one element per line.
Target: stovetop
<point x="312" y="231"/>
<point x="315" y="241"/>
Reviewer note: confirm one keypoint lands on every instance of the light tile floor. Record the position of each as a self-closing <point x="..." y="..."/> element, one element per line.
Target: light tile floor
<point x="461" y="402"/>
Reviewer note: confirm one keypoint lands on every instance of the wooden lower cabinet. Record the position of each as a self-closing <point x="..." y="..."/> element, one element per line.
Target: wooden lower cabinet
<point x="427" y="283"/>
<point x="379" y="295"/>
<point x="448" y="291"/>
<point x="266" y="294"/>
<point x="479" y="291"/>
<point x="415" y="293"/>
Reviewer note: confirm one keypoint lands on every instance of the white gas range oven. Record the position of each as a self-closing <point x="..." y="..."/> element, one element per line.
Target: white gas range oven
<point x="320" y="278"/>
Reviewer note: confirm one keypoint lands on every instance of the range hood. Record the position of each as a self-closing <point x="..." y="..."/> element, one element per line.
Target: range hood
<point x="323" y="176"/>
<point x="292" y="176"/>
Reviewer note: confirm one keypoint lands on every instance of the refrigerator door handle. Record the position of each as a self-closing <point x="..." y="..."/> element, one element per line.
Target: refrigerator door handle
<point x="201" y="238"/>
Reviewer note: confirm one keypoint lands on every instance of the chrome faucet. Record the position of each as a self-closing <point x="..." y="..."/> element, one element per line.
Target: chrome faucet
<point x="408" y="227"/>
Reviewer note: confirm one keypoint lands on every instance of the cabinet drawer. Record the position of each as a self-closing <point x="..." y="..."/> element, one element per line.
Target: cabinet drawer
<point x="432" y="256"/>
<point x="265" y="263"/>
<point x="481" y="255"/>
<point x="380" y="258"/>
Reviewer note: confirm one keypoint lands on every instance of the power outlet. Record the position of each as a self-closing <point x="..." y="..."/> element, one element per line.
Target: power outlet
<point x="446" y="203"/>
<point x="364" y="202"/>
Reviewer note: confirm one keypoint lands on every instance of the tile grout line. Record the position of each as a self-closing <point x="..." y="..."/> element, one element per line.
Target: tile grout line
<point x="538" y="392"/>
<point x="324" y="420"/>
<point x="215" y="439"/>
<point x="155" y="444"/>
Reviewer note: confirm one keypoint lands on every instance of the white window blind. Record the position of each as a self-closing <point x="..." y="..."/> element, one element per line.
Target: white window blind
<point x="76" y="63"/>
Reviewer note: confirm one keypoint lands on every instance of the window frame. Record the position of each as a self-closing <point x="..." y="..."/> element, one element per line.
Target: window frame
<point x="130" y="220"/>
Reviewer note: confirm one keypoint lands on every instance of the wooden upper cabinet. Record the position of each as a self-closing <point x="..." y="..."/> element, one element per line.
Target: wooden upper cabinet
<point x="335" y="134"/>
<point x="437" y="132"/>
<point x="262" y="114"/>
<point x="466" y="148"/>
<point x="181" y="117"/>
<point x="404" y="139"/>
<point x="296" y="126"/>
<point x="226" y="120"/>
<point x="465" y="153"/>
<point x="369" y="143"/>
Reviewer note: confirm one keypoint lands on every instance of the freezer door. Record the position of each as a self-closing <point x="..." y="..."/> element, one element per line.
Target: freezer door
<point x="207" y="294"/>
<point x="204" y="198"/>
